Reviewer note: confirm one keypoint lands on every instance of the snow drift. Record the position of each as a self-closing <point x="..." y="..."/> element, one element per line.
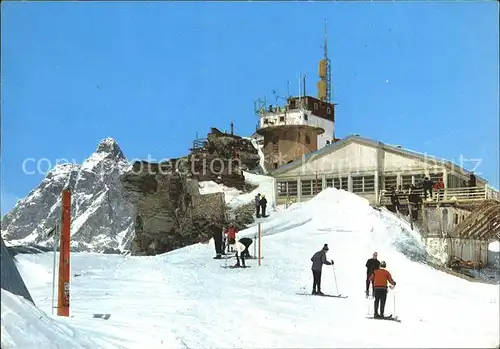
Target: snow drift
<point x="24" y="326"/>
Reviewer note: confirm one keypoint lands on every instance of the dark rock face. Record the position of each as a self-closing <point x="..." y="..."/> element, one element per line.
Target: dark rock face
<point x="171" y="213"/>
<point x="222" y="157"/>
<point x="101" y="218"/>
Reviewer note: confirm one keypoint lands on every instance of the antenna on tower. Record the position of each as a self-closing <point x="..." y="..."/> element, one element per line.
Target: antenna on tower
<point x="325" y="73"/>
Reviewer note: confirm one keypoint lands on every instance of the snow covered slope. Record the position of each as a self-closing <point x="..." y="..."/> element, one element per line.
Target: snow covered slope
<point x="101" y="217"/>
<point x="235" y="197"/>
<point x="26" y="327"/>
<point x="185" y="294"/>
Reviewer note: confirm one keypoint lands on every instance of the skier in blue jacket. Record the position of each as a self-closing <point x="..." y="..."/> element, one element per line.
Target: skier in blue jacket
<point x="318" y="259"/>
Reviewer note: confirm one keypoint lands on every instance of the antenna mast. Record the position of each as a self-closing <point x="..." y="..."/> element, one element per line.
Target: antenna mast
<point x="325" y="84"/>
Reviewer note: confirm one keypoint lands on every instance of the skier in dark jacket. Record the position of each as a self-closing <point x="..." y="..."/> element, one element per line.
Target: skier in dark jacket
<point x="414" y="202"/>
<point x="371" y="265"/>
<point x="395" y="199"/>
<point x="257" y="205"/>
<point x="217" y="235"/>
<point x="318" y="259"/>
<point x="263" y="204"/>
<point x="247" y="242"/>
<point x="427" y="186"/>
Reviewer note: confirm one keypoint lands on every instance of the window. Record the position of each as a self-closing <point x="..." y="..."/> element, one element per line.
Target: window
<point x="328" y="110"/>
<point x="406" y="180"/>
<point x="287" y="188"/>
<point x="357" y="184"/>
<point x="455" y="182"/>
<point x="282" y="118"/>
<point x="333" y="183"/>
<point x="344" y="183"/>
<point x="369" y="184"/>
<point x="419" y="178"/>
<point x="305" y="117"/>
<point x="308" y="140"/>
<point x="434" y="176"/>
<point x="390" y="181"/>
<point x="317" y="186"/>
<point x="306" y="187"/>
<point x="315" y="106"/>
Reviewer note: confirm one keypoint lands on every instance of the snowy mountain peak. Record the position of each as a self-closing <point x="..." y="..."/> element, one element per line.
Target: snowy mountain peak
<point x="110" y="146"/>
<point x="101" y="218"/>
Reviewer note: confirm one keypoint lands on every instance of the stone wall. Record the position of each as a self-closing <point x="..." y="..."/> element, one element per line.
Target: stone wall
<point x="440" y="221"/>
<point x="171" y="213"/>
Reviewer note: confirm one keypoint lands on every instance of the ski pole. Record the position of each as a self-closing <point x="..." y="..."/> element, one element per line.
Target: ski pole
<point x="335" y="278"/>
<point x="394" y="302"/>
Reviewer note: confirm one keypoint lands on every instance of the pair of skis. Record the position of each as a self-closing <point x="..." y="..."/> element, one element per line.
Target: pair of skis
<point x="323" y="295"/>
<point x="390" y="318"/>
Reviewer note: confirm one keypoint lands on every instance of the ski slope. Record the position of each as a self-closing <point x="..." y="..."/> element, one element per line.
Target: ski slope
<point x="184" y="299"/>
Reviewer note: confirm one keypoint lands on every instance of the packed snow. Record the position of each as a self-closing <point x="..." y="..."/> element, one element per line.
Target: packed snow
<point x="184" y="299"/>
<point x="235" y="198"/>
<point x="25" y="326"/>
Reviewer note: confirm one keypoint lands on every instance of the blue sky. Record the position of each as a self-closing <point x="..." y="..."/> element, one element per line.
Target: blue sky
<point x="152" y="74"/>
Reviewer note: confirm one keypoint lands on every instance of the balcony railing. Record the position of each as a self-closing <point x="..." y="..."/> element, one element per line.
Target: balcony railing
<point x="450" y="195"/>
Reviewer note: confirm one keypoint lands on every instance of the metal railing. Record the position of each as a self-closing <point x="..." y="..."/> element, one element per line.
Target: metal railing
<point x="449" y="195"/>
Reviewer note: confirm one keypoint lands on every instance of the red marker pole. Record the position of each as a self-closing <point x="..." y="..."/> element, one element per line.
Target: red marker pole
<point x="63" y="287"/>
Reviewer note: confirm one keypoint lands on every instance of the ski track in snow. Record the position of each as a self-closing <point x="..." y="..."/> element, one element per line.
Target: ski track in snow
<point x="184" y="299"/>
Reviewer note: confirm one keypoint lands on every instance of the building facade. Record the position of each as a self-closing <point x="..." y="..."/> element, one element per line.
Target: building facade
<point x="364" y="167"/>
<point x="302" y="126"/>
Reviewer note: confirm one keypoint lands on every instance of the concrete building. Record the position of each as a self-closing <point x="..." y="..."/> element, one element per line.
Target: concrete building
<point x="301" y="126"/>
<point x="365" y="167"/>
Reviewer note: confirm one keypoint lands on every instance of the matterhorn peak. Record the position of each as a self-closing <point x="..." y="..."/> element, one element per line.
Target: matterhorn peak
<point x="110" y="146"/>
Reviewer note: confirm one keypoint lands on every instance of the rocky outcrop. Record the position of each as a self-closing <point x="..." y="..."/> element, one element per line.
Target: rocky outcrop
<point x="101" y="220"/>
<point x="171" y="212"/>
<point x="221" y="158"/>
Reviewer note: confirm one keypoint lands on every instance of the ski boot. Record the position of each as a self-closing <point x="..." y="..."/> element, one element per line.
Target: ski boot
<point x="319" y="293"/>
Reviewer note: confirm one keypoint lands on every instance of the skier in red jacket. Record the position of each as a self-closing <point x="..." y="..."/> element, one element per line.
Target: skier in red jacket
<point x="231" y="232"/>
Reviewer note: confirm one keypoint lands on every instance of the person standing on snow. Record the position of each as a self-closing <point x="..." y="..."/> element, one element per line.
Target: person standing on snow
<point x="257" y="205"/>
<point x="318" y="259"/>
<point x="246" y="242"/>
<point x="239" y="248"/>
<point x="230" y="233"/>
<point x="371" y="265"/>
<point x="380" y="277"/>
<point x="217" y="235"/>
<point x="263" y="204"/>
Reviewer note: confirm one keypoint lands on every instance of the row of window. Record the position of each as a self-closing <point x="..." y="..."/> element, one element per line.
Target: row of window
<point x="391" y="181"/>
<point x="360" y="184"/>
